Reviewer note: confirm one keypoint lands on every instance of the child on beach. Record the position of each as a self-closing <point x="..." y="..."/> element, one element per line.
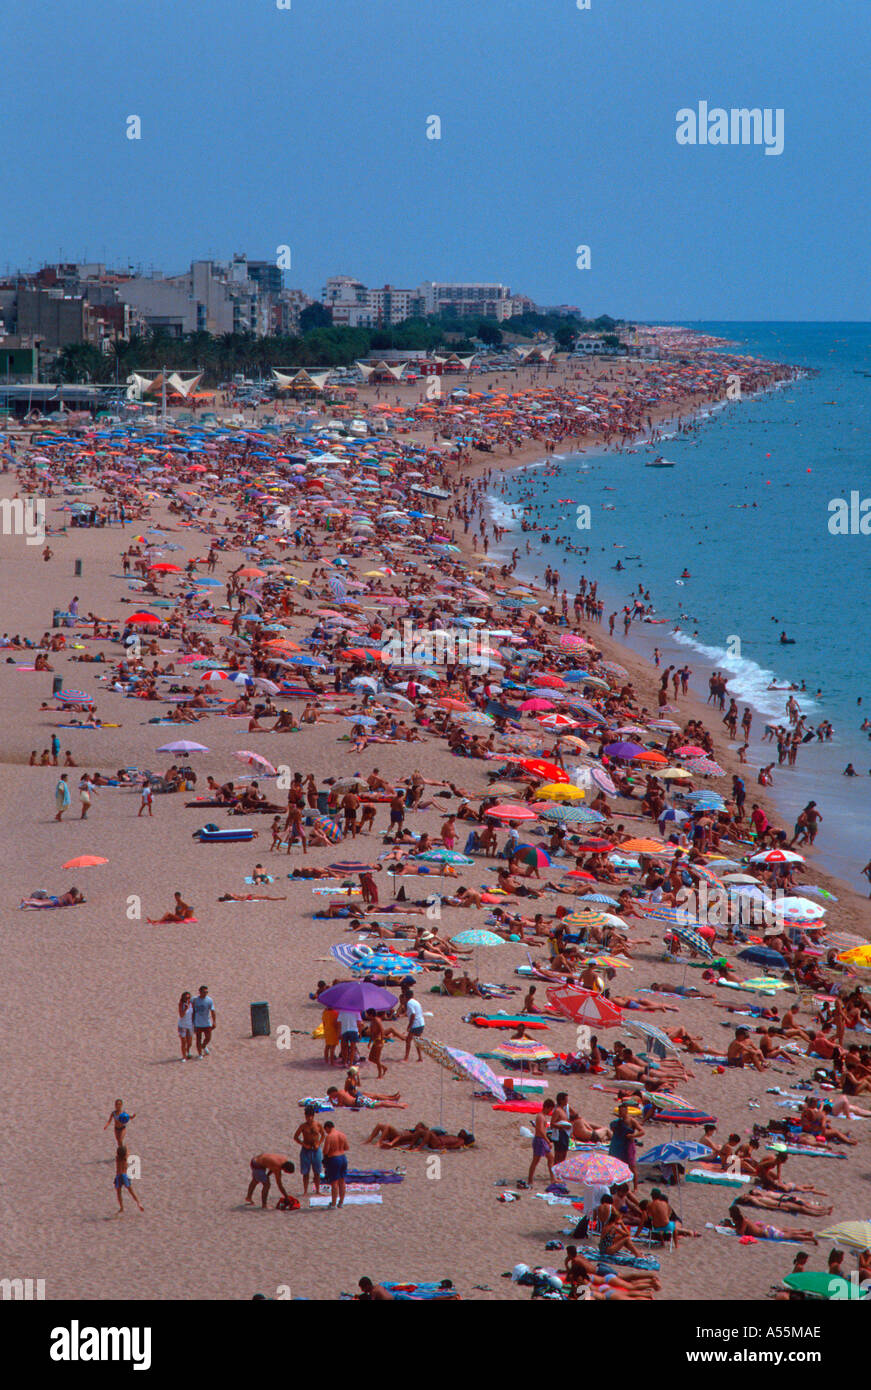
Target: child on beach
<point x="121" y="1120"/>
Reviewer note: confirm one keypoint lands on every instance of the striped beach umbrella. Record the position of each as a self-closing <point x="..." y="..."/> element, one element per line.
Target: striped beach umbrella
<point x="584" y="918"/>
<point x="859" y="956"/>
<point x="583" y="1006"/>
<point x="443" y="856"/>
<point x="567" y="815"/>
<point x="592" y="1170"/>
<point x="654" y="1037"/>
<point x="693" y="940"/>
<point x="523" y="1052"/>
<point x="850" y="1235"/>
<point x="330" y="828"/>
<point x="467" y="1064"/>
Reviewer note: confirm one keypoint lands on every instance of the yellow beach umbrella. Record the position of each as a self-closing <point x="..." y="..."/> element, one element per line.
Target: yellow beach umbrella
<point x="559" y="791"/>
<point x="858" y="955"/>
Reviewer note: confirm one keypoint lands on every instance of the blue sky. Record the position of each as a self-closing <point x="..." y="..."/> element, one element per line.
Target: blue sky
<point x="307" y="127"/>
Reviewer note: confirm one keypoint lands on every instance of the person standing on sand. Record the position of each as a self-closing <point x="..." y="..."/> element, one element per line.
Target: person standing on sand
<point x="146" y="798"/>
<point x="310" y="1137"/>
<point x="542" y="1148"/>
<point x="205" y="1020"/>
<point x="414" y="1014"/>
<point x="335" y="1163"/>
<point x="62" y="796"/>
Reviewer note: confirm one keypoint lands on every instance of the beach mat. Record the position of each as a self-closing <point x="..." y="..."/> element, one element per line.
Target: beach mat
<point x="356" y="1199"/>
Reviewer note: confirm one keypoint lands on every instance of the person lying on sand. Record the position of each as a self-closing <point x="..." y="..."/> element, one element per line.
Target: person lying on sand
<point x="760" y="1231"/>
<point x="250" y="898"/>
<point x="357" y="1098"/>
<point x="71" y="898"/>
<point x="421" y="1137"/>
<point x="796" y="1206"/>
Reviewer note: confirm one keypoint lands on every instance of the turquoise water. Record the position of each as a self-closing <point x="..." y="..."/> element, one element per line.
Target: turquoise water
<point x="746" y="511"/>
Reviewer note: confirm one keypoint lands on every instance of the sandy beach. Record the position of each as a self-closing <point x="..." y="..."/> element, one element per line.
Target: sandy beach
<point x="89" y="993"/>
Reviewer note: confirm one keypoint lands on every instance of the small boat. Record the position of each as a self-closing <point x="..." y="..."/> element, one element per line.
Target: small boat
<point x="660" y="463"/>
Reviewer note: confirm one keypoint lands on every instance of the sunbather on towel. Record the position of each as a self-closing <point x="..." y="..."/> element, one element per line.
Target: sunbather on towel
<point x="71" y="898"/>
<point x="760" y="1231"/>
<point x="796" y="1206"/>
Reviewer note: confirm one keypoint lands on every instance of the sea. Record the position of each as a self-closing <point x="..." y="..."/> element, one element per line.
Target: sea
<point x="751" y="511"/>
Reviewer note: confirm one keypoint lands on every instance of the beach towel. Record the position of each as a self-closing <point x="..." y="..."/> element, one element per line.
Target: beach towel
<point x="319" y="1102"/>
<point x="803" y="1151"/>
<point x="767" y="1240"/>
<point x="374" y="1175"/>
<point x="479" y="1022"/>
<point x="591" y="1252"/>
<point x="357" y="1199"/>
<point x="415" y="1292"/>
<point x="716" y="1179"/>
<point x="519" y="1107"/>
<point x="268" y="879"/>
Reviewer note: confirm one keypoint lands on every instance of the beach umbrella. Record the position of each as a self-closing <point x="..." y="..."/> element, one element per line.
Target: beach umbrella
<point x="851" y="1235"/>
<point x="706" y="767"/>
<point x="693" y="940"/>
<point x="655" y="847"/>
<point x="507" y="811"/>
<point x="658" y="1040"/>
<point x="444" y="856"/>
<point x="583" y="1006"/>
<point x="523" y="1052"/>
<point x="142" y="619"/>
<point x="84" y="861"/>
<point x="539" y="767"/>
<point x="583" y="917"/>
<point x="73" y="697"/>
<point x="761" y="955"/>
<point x="465" y="1065"/>
<point x="689" y="750"/>
<point x="356" y="996"/>
<point x="533" y="856"/>
<point x="592" y="1170"/>
<point x="255" y="760"/>
<point x="623" y="750"/>
<point x="559" y="791"/>
<point x="799" y="907"/>
<point x="857" y="956"/>
<point x="330" y="828"/>
<point x="477" y="937"/>
<point x="777" y="856"/>
<point x="351" y="866"/>
<point x="182" y="745"/>
<point x="675" y="1151"/>
<point x="601" y="778"/>
<point x="568" y="815"/>
<point x="817" y="1283"/>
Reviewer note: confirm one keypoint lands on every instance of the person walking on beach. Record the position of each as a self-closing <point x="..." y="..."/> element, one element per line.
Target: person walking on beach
<point x="146" y="797"/>
<point x="414" y="1014"/>
<point x="335" y="1163"/>
<point x="122" y="1181"/>
<point x="310" y="1136"/>
<point x="204" y="1020"/>
<point x="119" y="1119"/>
<point x="185" y="1025"/>
<point x="86" y="786"/>
<point x="61" y="796"/>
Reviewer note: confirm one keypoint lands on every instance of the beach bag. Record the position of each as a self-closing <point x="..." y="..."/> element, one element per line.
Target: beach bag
<point x="287" y="1204"/>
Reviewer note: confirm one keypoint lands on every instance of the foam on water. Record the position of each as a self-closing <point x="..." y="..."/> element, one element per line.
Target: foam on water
<point x="748" y="681"/>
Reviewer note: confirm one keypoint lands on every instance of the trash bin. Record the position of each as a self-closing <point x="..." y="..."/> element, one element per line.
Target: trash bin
<point x="57" y="614"/>
<point x="57" y="684"/>
<point x="260" y="1027"/>
<point x="78" y="568"/>
<point x="323" y="802"/>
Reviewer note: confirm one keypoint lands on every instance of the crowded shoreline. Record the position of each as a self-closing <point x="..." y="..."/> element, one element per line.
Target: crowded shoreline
<point x="189" y="533"/>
